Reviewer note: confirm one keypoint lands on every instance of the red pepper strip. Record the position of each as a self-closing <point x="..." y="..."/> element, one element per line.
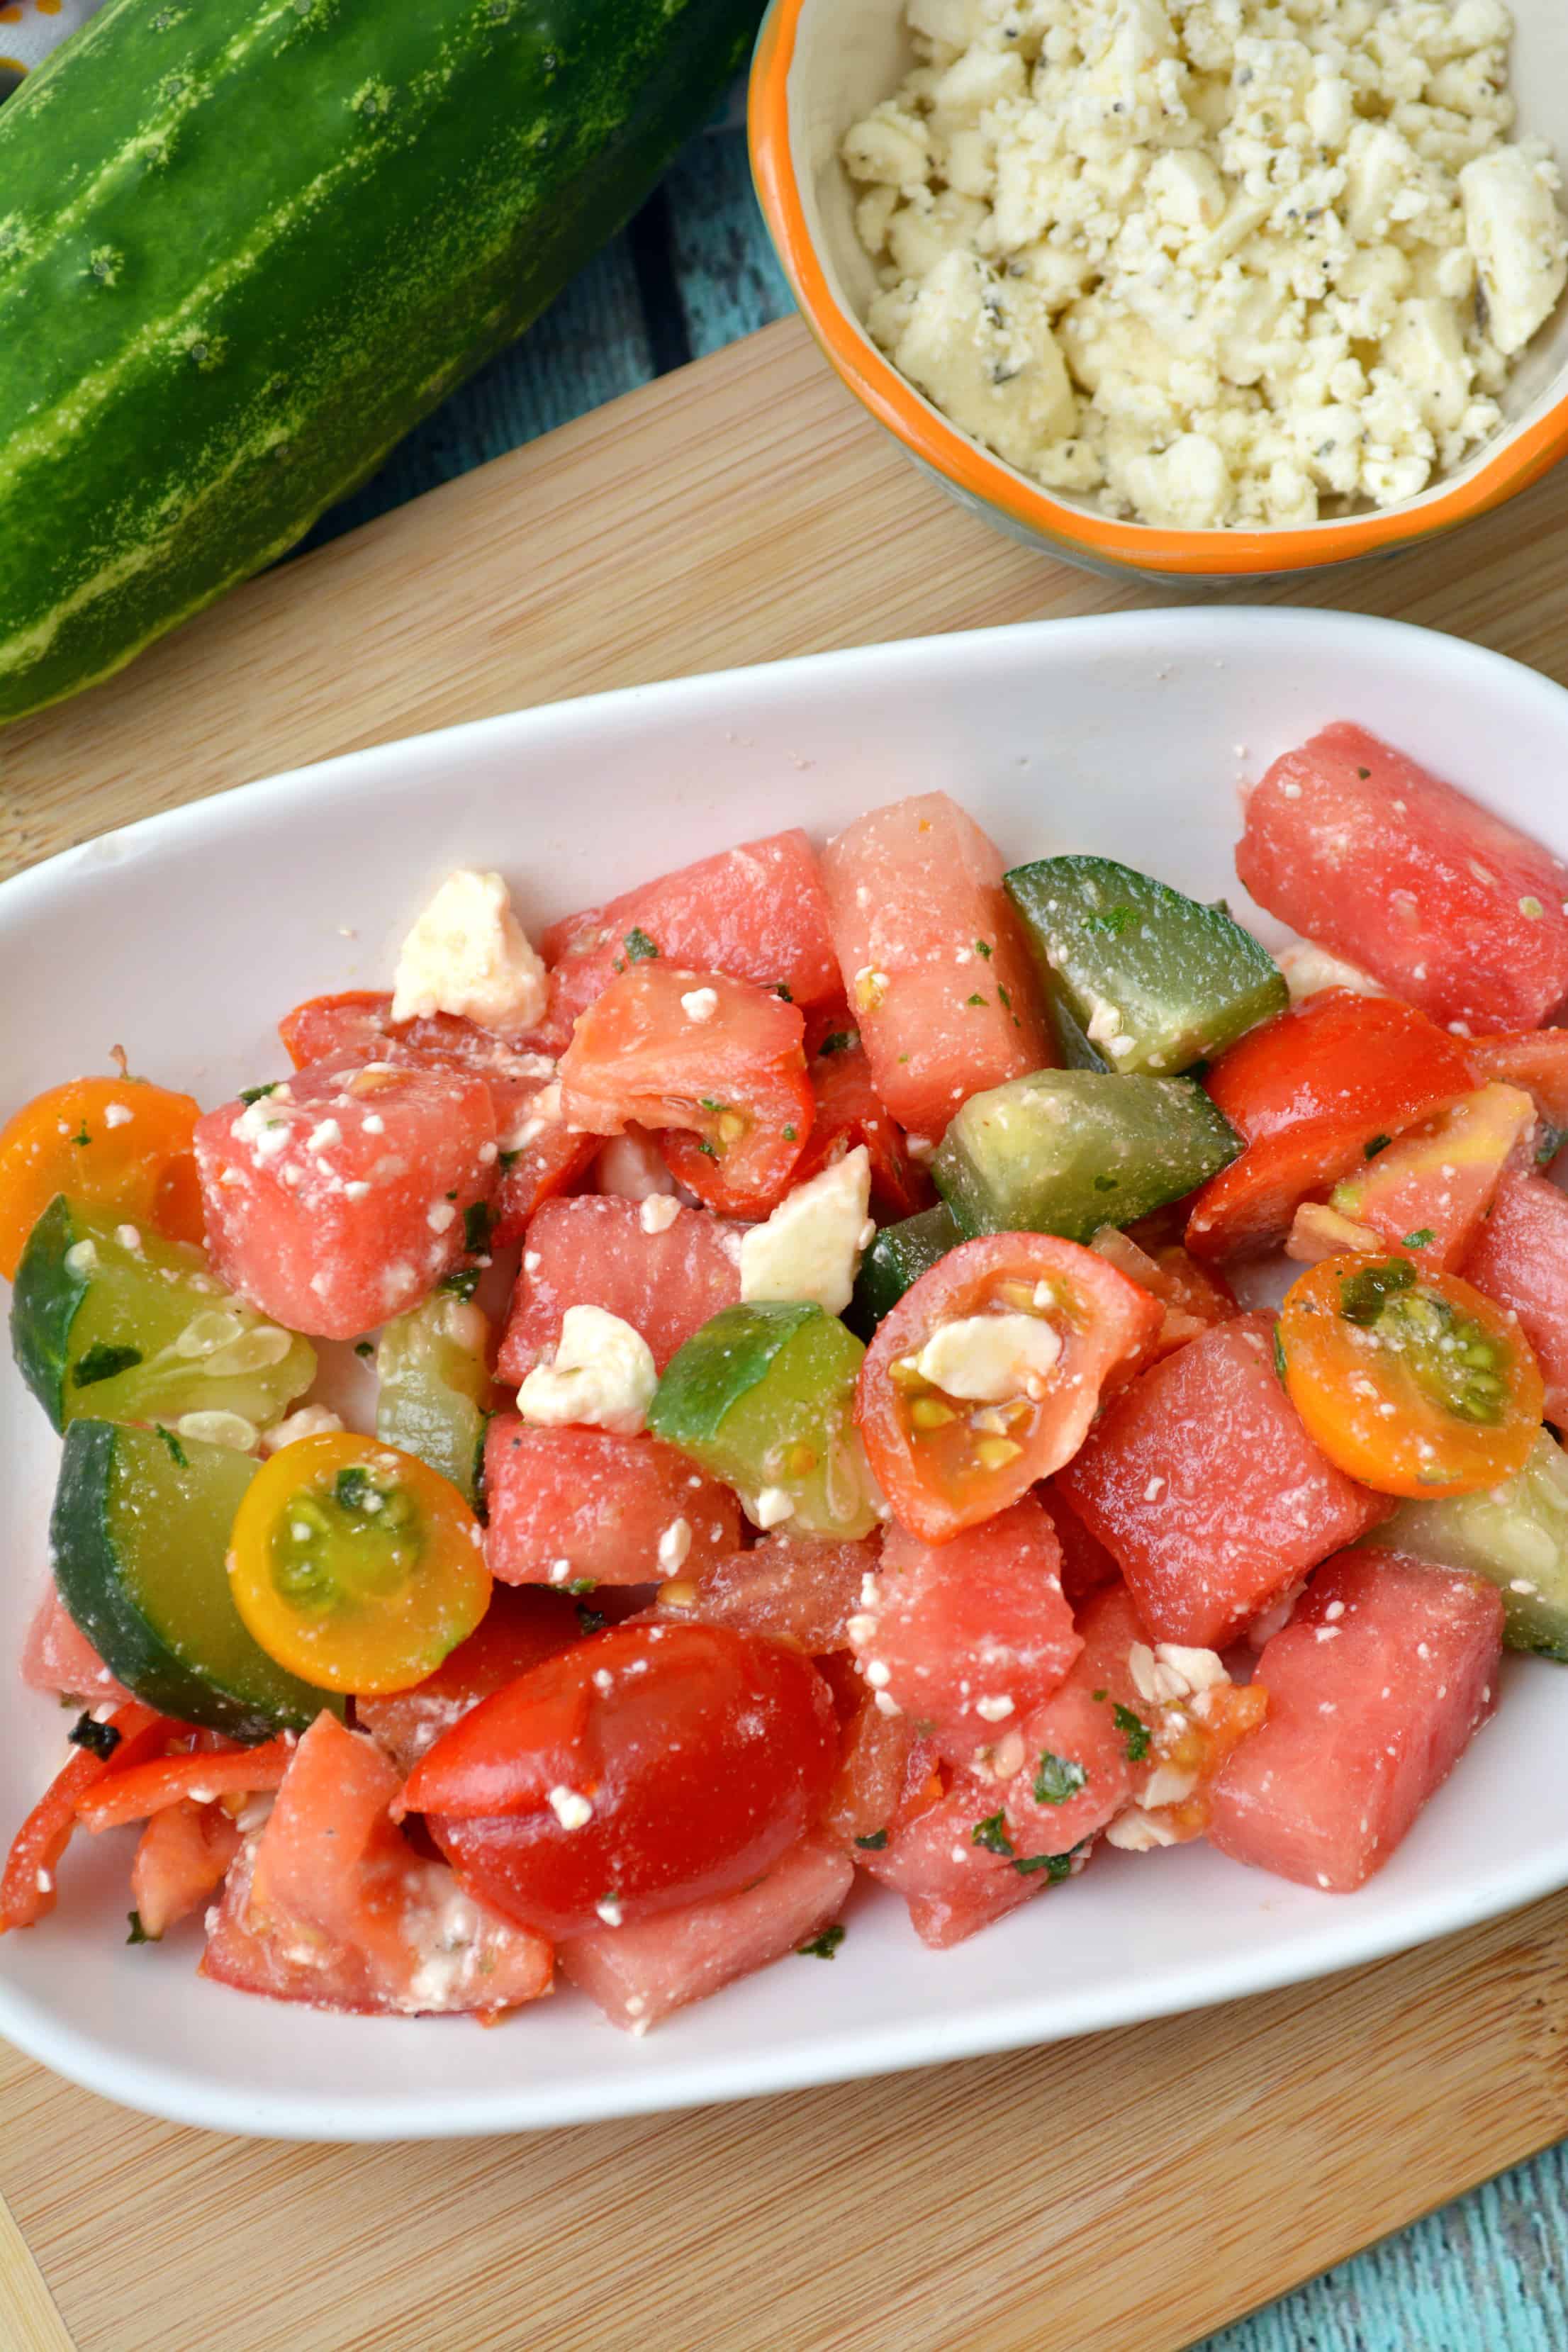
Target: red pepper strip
<point x="27" y="1886"/>
<point x="146" y="1789"/>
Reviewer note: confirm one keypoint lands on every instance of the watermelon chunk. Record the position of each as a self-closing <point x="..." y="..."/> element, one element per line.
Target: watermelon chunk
<point x="1202" y="1482"/>
<point x="939" y="978"/>
<point x="639" y="1972"/>
<point x="56" y="1658"/>
<point x="333" y="1906"/>
<point x="341" y="1198"/>
<point x="1079" y="1728"/>
<point x="757" y="912"/>
<point x="1086" y="1563"/>
<point x="1520" y="1259"/>
<point x="969" y="1637"/>
<point x="954" y="1885"/>
<point x="665" y="1272"/>
<point x="567" y="1504"/>
<point x="1364" y="851"/>
<point x="1535" y="1059"/>
<point x="1374" y="1688"/>
<point x="522" y="1625"/>
<point x="792" y="1588"/>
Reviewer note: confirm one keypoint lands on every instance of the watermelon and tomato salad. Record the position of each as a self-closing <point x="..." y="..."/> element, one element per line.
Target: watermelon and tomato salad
<point x="892" y="1367"/>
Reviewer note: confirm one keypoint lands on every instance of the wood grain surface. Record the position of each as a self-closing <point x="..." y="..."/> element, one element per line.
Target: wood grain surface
<point x="1123" y="2194"/>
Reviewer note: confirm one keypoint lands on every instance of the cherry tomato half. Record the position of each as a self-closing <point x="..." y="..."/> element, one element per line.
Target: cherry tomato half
<point x="651" y="1766"/>
<point x="113" y="1143"/>
<point x="357" y="1567"/>
<point x="1409" y="1379"/>
<point x="953" y="1431"/>
<point x="717" y="1063"/>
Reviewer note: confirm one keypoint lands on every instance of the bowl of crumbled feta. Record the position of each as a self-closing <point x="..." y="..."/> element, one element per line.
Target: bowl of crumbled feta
<point x="1191" y="288"/>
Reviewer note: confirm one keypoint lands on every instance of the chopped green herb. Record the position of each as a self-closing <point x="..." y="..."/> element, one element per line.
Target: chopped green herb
<point x="176" y="1451"/>
<point x="977" y="999"/>
<point x="1006" y="999"/>
<point x="101" y="1363"/>
<point x="1057" y="1866"/>
<point x="638" y="946"/>
<point x="707" y="1102"/>
<point x="584" y="1584"/>
<point x="1136" y="1730"/>
<point x="823" y="1947"/>
<point x="364" y="1347"/>
<point x="1105" y="1183"/>
<point x="138" y="1932"/>
<point x="706" y="1148"/>
<point x="1363" y="773"/>
<point x="781" y="988"/>
<point x="478" y="1218"/>
<point x="462" y="1284"/>
<point x="983" y="947"/>
<point x="81" y="1135"/>
<point x="1099" y="1697"/>
<point x="99" y="1739"/>
<point x="592" y="1621"/>
<point x="991" y="1833"/>
<point x="248" y="1095"/>
<point x="1379" y="1143"/>
<point x="451" y="1196"/>
<point x="505" y="1160"/>
<point x="1422" y="1238"/>
<point x="791" y="1134"/>
<point x="1549" y="1143"/>
<point x="875" y="1843"/>
<point x="1059" y="1779"/>
<point x="842" y="1041"/>
<point x="1278" y="1357"/>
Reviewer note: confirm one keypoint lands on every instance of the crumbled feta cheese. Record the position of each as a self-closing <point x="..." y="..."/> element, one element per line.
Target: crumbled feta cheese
<point x="118" y="1113"/>
<point x="633" y="1167"/>
<point x="990" y="1358"/>
<point x="1134" y="1831"/>
<point x="1209" y="262"/>
<point x="771" y="1507"/>
<point x="570" y="1807"/>
<point x="674" y="1544"/>
<point x="810" y="1247"/>
<point x="602" y="1375"/>
<point x="659" y="1213"/>
<point x="699" y="1003"/>
<point x="310" y="1421"/>
<point x="1309" y="968"/>
<point x="467" y="954"/>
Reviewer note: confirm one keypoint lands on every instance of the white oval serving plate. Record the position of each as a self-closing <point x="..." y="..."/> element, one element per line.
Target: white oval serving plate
<point x="184" y="937"/>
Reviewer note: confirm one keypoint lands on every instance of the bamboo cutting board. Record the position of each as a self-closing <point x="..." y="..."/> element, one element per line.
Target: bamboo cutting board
<point x="1126" y="2193"/>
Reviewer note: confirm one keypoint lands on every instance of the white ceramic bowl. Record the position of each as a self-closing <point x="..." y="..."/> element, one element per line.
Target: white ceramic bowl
<point x="184" y="937"/>
<point x="821" y="65"/>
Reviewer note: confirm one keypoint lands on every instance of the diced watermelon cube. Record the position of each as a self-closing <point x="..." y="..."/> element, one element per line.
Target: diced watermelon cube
<point x="935" y="966"/>
<point x="56" y="1658"/>
<point x="666" y="1273"/>
<point x="1202" y="1481"/>
<point x="522" y="1625"/>
<point x="793" y="1588"/>
<point x="967" y="1638"/>
<point x="954" y="1884"/>
<point x="1374" y="1687"/>
<point x="1086" y="1563"/>
<point x="757" y="912"/>
<point x="1371" y="855"/>
<point x="343" y="1197"/>
<point x="182" y="1856"/>
<point x="567" y="1504"/>
<point x="1079" y="1728"/>
<point x="1520" y="1259"/>
<point x="639" y="1972"/>
<point x="333" y="1906"/>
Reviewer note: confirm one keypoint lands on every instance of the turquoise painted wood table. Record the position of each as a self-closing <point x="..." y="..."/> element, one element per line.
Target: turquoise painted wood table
<point x="693" y="272"/>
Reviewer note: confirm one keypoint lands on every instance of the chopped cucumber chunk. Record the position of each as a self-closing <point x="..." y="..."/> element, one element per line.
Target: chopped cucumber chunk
<point x="1515" y="1534"/>
<point x="435" y="1387"/>
<point x="1140" y="977"/>
<point x="898" y="1257"/>
<point x="140" y="1538"/>
<point x="763" y="1397"/>
<point x="113" y="1322"/>
<point x="1066" y="1152"/>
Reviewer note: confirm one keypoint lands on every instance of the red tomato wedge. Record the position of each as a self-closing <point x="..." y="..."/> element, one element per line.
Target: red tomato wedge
<point x="341" y="1197"/>
<point x="850" y="1111"/>
<point x="522" y="1626"/>
<point x="142" y="1789"/>
<point x="567" y="1504"/>
<point x="27" y="1887"/>
<point x="757" y="912"/>
<point x="1375" y="1687"/>
<point x="331" y="1905"/>
<point x="652" y="1765"/>
<point x="948" y="1460"/>
<point x="1361" y="848"/>
<point x="718" y="1060"/>
<point x="666" y="1273"/>
<point x="1202" y="1481"/>
<point x="938" y="977"/>
<point x="181" y="1858"/>
<point x="887" y="1775"/>
<point x="1428" y="1194"/>
<point x="1314" y="1094"/>
<point x="964" y="1640"/>
<point x="638" y="1973"/>
<point x="58" y="1658"/>
<point x="1520" y="1260"/>
<point x="796" y="1589"/>
<point x="116" y="1143"/>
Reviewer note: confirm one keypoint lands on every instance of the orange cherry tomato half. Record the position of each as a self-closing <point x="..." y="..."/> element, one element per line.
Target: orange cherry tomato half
<point x="1409" y="1379"/>
<point x="355" y="1566"/>
<point x="114" y="1143"/>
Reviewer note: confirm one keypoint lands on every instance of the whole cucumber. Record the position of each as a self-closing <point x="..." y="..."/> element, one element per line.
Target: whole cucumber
<point x="245" y="245"/>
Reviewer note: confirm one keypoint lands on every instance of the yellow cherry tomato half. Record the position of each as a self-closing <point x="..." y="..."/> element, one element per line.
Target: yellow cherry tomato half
<point x="1410" y="1380"/>
<point x="356" y="1566"/>
<point x="112" y="1143"/>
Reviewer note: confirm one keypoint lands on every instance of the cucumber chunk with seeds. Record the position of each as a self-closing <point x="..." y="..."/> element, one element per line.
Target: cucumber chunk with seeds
<point x="763" y="1397"/>
<point x="898" y="1257"/>
<point x="140" y="1538"/>
<point x="1066" y="1152"/>
<point x="435" y="1387"/>
<point x="1515" y="1534"/>
<point x="117" y="1324"/>
<point x="1138" y="976"/>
